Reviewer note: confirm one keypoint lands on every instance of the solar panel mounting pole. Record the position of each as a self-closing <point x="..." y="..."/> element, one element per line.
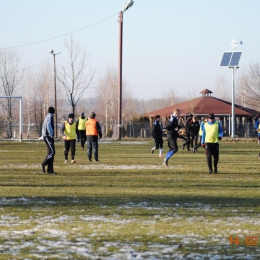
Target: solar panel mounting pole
<point x="231" y="59"/>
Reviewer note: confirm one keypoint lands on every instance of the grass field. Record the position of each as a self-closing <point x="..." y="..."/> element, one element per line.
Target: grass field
<point x="128" y="206"/>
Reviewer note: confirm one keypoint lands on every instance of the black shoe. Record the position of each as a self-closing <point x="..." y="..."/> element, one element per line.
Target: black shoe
<point x="183" y="147"/>
<point x="216" y="170"/>
<point x="51" y="172"/>
<point x="152" y="151"/>
<point x="42" y="168"/>
<point x="193" y="150"/>
<point x="96" y="160"/>
<point x="89" y="159"/>
<point x="210" y="171"/>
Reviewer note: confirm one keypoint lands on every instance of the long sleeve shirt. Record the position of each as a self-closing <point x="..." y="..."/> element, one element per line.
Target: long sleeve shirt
<point x="48" y="126"/>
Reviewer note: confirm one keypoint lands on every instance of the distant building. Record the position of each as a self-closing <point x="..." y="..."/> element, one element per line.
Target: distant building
<point x="206" y="104"/>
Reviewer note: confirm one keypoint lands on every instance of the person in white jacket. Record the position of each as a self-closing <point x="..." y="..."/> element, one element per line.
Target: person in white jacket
<point x="48" y="137"/>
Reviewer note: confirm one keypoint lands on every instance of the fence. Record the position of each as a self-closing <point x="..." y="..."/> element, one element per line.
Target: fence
<point x="129" y="130"/>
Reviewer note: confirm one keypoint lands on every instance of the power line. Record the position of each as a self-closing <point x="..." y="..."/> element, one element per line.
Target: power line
<point x="33" y="65"/>
<point x="60" y="35"/>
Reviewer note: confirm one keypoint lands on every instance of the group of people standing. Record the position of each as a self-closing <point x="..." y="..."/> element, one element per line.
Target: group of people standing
<point x="83" y="129"/>
<point x="210" y="132"/>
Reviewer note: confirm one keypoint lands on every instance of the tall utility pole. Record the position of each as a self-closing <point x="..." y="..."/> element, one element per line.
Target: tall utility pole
<point x="55" y="92"/>
<point x="126" y="6"/>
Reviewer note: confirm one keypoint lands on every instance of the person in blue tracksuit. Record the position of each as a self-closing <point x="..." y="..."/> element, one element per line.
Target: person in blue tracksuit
<point x="173" y="128"/>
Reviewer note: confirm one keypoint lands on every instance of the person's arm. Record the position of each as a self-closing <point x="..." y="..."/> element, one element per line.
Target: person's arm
<point x="99" y="130"/>
<point x="220" y="131"/>
<point x="62" y="130"/>
<point x="50" y="125"/>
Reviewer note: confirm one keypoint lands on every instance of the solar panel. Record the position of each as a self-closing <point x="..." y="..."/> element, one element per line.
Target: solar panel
<point x="231" y="59"/>
<point x="226" y="59"/>
<point x="235" y="59"/>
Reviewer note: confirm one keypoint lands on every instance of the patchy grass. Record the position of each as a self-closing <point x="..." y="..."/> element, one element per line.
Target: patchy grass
<point x="128" y="206"/>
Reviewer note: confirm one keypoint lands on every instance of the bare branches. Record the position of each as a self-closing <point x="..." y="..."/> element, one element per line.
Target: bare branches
<point x="73" y="77"/>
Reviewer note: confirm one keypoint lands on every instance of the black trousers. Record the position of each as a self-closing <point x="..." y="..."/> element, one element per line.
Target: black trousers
<point x="212" y="150"/>
<point x="194" y="138"/>
<point x="49" y="159"/>
<point x="187" y="142"/>
<point x="69" y="145"/>
<point x="158" y="141"/>
<point x="82" y="137"/>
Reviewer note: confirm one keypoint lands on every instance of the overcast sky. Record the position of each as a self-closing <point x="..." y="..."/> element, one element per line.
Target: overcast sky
<point x="166" y="43"/>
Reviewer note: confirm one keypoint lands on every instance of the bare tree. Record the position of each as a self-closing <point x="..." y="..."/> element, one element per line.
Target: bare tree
<point x="249" y="86"/>
<point x="74" y="77"/>
<point x="222" y="89"/>
<point x="10" y="79"/>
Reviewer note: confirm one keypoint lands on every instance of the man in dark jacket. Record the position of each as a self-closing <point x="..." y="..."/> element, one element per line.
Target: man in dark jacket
<point x="48" y="137"/>
<point x="187" y="128"/>
<point x="194" y="131"/>
<point x="93" y="131"/>
<point x="172" y="127"/>
<point x="157" y="136"/>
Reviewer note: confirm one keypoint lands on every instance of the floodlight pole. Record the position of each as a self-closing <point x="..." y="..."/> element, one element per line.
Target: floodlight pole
<point x="55" y="92"/>
<point x="120" y="62"/>
<point x="120" y="74"/>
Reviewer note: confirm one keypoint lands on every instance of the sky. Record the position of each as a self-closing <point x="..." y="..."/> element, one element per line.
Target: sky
<point x="167" y="44"/>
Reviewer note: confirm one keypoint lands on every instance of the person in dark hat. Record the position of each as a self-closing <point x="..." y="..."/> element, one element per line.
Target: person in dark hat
<point x="194" y="132"/>
<point x="195" y="149"/>
<point x="211" y="135"/>
<point x="157" y="134"/>
<point x="48" y="137"/>
<point x="93" y="132"/>
<point x="81" y="129"/>
<point x="187" y="128"/>
<point x="68" y="131"/>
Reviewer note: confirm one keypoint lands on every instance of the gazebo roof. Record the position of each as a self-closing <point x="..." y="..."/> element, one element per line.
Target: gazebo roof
<point x="203" y="106"/>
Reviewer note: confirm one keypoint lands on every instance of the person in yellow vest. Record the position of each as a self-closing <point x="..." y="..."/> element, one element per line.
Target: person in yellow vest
<point x="68" y="131"/>
<point x="211" y="135"/>
<point x="93" y="132"/>
<point x="81" y="123"/>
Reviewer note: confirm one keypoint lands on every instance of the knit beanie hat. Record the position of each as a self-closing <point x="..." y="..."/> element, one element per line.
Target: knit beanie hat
<point x="71" y="116"/>
<point x="51" y="110"/>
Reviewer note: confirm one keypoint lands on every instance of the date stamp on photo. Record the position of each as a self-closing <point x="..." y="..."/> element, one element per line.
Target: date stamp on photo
<point x="239" y="241"/>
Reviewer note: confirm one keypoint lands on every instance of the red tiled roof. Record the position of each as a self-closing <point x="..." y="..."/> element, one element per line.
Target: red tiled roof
<point x="203" y="106"/>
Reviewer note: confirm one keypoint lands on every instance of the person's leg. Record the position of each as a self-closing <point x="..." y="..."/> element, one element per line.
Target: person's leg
<point x="95" y="145"/>
<point x="160" y="147"/>
<point x="66" y="149"/>
<point x="215" y="154"/>
<point x="191" y="141"/>
<point x="208" y="150"/>
<point x="51" y="159"/>
<point x="154" y="147"/>
<point x="172" y="143"/>
<point x="89" y="151"/>
<point x="73" y="150"/>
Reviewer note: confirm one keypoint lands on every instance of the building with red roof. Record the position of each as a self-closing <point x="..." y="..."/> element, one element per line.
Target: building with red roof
<point x="206" y="104"/>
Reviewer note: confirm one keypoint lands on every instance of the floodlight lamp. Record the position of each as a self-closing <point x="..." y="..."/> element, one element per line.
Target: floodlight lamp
<point x="128" y="4"/>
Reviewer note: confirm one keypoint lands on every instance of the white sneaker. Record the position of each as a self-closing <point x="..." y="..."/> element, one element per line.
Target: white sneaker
<point x="73" y="161"/>
<point x="65" y="161"/>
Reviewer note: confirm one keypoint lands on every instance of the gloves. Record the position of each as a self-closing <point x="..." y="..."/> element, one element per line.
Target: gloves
<point x="219" y="138"/>
<point x="203" y="145"/>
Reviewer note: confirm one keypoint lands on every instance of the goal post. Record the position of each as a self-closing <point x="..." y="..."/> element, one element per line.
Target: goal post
<point x="21" y="113"/>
